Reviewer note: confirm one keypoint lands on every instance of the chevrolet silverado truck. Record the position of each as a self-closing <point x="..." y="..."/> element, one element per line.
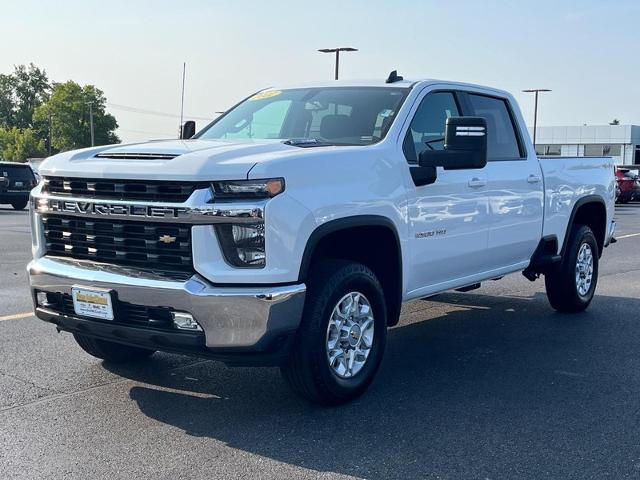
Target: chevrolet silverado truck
<point x="291" y="229"/>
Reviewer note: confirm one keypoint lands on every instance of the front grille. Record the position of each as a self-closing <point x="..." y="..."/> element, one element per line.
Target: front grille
<point x="125" y="313"/>
<point x="113" y="189"/>
<point x="152" y="246"/>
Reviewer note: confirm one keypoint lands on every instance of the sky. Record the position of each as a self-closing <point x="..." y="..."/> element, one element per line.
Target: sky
<point x="585" y="51"/>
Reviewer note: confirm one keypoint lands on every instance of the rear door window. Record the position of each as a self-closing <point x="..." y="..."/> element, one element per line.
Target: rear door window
<point x="502" y="139"/>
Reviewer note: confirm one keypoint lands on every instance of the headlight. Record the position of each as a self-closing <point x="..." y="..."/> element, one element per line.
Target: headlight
<point x="242" y="245"/>
<point x="248" y="189"/>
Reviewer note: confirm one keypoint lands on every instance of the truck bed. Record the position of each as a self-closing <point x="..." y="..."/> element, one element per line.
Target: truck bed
<point x="568" y="179"/>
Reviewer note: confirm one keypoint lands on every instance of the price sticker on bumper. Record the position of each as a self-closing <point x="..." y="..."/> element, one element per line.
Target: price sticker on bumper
<point x="92" y="303"/>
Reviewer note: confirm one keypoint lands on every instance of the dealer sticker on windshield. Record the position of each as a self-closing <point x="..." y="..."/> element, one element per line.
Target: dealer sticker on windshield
<point x="92" y="303"/>
<point x="265" y="94"/>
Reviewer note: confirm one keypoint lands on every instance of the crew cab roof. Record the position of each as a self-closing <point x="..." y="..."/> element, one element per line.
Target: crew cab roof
<point x="381" y="82"/>
<point x="378" y="82"/>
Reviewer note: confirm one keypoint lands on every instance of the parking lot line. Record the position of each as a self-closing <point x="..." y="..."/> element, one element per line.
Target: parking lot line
<point x="16" y="316"/>
<point x="628" y="236"/>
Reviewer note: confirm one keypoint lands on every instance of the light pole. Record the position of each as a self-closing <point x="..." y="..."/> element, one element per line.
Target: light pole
<point x="337" y="52"/>
<point x="535" y="109"/>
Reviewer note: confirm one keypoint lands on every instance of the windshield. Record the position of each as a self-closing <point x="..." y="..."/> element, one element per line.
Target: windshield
<point x="312" y="116"/>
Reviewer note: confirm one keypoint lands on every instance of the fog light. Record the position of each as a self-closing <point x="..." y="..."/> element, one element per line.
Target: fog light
<point x="41" y="299"/>
<point x="185" y="321"/>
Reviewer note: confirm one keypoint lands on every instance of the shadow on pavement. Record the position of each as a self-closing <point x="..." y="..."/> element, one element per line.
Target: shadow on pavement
<point x="497" y="387"/>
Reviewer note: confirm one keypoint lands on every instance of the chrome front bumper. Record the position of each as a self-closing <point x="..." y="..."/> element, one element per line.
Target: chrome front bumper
<point x="231" y="317"/>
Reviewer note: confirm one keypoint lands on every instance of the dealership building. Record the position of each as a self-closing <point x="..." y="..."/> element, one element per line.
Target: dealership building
<point x="622" y="142"/>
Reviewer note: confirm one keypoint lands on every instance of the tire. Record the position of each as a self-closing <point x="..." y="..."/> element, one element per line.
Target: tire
<point x="110" y="351"/>
<point x="308" y="370"/>
<point x="19" y="204"/>
<point x="563" y="289"/>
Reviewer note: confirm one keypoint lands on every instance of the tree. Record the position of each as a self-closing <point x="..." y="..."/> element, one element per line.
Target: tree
<point x="615" y="121"/>
<point x="68" y="107"/>
<point x="7" y="100"/>
<point x="20" y="94"/>
<point x="17" y="145"/>
<point x="31" y="90"/>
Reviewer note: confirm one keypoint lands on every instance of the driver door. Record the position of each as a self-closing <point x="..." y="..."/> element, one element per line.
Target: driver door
<point x="448" y="219"/>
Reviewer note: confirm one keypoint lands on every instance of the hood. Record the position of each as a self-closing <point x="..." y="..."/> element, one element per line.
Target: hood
<point x="186" y="160"/>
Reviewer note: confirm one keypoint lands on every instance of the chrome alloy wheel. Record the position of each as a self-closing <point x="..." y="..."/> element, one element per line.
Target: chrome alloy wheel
<point x="584" y="269"/>
<point x="350" y="335"/>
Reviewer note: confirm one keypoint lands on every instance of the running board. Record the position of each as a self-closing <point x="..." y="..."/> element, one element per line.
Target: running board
<point x="468" y="288"/>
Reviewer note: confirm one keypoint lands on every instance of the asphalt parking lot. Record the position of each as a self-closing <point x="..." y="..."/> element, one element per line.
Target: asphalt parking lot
<point x="487" y="384"/>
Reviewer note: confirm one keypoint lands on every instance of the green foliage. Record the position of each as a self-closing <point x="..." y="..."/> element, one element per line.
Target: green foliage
<point x="7" y="100"/>
<point x="31" y="89"/>
<point x="20" y="93"/>
<point x="16" y="145"/>
<point x="70" y="123"/>
<point x="30" y="105"/>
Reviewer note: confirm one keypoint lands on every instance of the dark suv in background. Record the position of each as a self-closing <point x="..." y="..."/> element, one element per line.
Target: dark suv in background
<point x="16" y="181"/>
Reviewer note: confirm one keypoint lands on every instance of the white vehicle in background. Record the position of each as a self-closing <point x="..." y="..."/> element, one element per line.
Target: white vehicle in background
<point x="291" y="229"/>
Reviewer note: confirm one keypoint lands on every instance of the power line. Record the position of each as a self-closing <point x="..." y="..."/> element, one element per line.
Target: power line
<point x="144" y="111"/>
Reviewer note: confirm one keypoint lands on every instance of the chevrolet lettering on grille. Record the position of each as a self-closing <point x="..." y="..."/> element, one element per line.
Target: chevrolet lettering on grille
<point x="108" y="209"/>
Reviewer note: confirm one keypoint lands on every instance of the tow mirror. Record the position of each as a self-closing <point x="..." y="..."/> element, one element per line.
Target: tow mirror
<point x="465" y="145"/>
<point x="188" y="129"/>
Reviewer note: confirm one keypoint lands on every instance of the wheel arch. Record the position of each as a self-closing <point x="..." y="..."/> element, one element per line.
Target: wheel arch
<point x="349" y="238"/>
<point x="591" y="211"/>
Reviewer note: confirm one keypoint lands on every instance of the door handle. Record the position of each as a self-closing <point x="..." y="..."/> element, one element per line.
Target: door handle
<point x="476" y="182"/>
<point x="533" y="178"/>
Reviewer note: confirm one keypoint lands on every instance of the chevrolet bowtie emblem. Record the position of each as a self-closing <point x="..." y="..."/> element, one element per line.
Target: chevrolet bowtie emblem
<point x="167" y="239"/>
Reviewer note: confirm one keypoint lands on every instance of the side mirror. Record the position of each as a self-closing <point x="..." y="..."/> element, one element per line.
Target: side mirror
<point x="465" y="145"/>
<point x="188" y="130"/>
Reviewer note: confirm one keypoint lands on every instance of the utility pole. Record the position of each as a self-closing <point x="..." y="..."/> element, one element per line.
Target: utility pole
<point x="49" y="133"/>
<point x="535" y="109"/>
<point x="93" y="142"/>
<point x="337" y="52"/>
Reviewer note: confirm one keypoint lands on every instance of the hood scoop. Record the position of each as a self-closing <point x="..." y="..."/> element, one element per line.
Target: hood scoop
<point x="137" y="156"/>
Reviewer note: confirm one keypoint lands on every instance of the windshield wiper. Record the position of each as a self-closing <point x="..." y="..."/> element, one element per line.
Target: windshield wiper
<point x="307" y="142"/>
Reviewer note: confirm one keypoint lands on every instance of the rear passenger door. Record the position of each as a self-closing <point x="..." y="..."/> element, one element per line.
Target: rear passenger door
<point x="515" y="187"/>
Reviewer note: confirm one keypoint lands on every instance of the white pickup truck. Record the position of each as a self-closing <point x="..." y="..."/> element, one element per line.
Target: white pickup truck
<point x="291" y="229"/>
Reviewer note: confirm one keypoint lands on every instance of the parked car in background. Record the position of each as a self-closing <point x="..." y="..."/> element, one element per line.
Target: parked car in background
<point x="635" y="196"/>
<point x="628" y="184"/>
<point x="16" y="181"/>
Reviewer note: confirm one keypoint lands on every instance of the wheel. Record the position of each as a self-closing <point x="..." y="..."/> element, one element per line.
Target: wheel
<point x="110" y="351"/>
<point x="570" y="289"/>
<point x="19" y="204"/>
<point x="341" y="339"/>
